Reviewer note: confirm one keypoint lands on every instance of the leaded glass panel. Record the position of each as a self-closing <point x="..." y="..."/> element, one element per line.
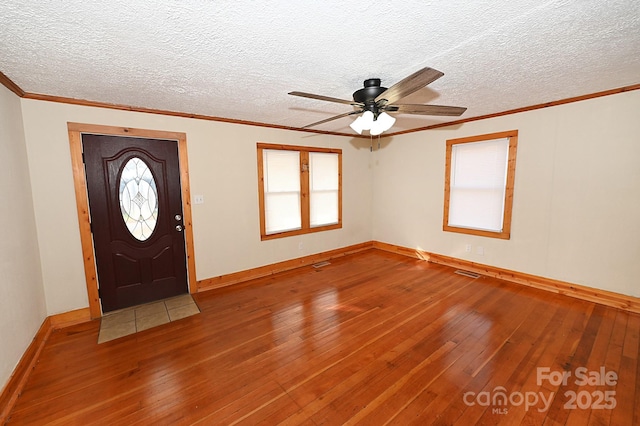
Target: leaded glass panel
<point x="138" y="198"/>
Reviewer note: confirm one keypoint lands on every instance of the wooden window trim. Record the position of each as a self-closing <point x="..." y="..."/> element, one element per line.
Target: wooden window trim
<point x="306" y="228"/>
<point x="511" y="173"/>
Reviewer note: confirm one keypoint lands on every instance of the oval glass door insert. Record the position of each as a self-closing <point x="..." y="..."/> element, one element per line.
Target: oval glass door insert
<point x="138" y="198"/>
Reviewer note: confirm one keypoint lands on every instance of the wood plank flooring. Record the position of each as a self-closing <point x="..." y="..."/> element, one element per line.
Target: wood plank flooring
<point x="374" y="338"/>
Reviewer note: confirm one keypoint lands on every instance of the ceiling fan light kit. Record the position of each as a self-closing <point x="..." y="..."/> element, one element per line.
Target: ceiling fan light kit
<point x="375" y="125"/>
<point x="375" y="101"/>
<point x="383" y="123"/>
<point x="363" y="122"/>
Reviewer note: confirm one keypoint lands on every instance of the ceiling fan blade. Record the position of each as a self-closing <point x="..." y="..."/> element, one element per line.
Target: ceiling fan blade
<point x="426" y="109"/>
<point x="325" y="98"/>
<point x="409" y="84"/>
<point x="335" y="117"/>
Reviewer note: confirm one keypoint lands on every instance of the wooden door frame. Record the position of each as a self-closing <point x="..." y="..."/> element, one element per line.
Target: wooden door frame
<point x="82" y="201"/>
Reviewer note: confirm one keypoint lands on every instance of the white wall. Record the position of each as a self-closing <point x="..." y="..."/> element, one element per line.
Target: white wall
<point x="22" y="306"/>
<point x="223" y="168"/>
<point x="576" y="199"/>
<point x="576" y="212"/>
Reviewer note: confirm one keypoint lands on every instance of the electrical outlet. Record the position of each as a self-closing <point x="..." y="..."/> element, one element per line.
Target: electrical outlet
<point x="467" y="248"/>
<point x="198" y="199"/>
<point x="300" y="246"/>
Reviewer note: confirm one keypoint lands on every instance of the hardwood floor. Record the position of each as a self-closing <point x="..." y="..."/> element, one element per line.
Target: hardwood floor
<point x="374" y="338"/>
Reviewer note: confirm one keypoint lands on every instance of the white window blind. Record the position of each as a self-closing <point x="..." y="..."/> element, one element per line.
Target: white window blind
<point x="281" y="190"/>
<point x="324" y="188"/>
<point x="477" y="184"/>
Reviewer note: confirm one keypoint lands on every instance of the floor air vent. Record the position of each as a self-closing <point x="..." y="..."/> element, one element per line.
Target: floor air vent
<point x="467" y="274"/>
<point x="321" y="264"/>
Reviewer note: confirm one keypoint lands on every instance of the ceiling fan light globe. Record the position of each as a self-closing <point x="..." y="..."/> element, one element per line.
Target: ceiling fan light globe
<point x="376" y="130"/>
<point x="368" y="119"/>
<point x="386" y="121"/>
<point x="382" y="124"/>
<point x="357" y="125"/>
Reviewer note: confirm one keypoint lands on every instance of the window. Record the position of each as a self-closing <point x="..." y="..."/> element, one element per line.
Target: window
<point x="479" y="178"/>
<point x="138" y="198"/>
<point x="300" y="189"/>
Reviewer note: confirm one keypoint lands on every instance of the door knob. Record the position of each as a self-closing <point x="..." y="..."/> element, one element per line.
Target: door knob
<point x="178" y="217"/>
<point x="178" y="228"/>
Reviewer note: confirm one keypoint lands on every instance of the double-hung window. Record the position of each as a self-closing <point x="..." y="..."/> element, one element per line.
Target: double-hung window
<point x="299" y="188"/>
<point x="479" y="180"/>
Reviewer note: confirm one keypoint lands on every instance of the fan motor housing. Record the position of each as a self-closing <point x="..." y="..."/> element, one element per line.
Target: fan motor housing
<point x="370" y="92"/>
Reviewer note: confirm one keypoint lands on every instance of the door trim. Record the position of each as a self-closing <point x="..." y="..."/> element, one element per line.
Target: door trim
<point x="82" y="202"/>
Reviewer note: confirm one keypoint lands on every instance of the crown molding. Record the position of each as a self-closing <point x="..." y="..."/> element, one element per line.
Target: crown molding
<point x="523" y="109"/>
<point x="84" y="102"/>
<point x="9" y="84"/>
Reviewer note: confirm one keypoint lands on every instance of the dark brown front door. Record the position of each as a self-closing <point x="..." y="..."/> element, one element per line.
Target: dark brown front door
<point x="135" y="205"/>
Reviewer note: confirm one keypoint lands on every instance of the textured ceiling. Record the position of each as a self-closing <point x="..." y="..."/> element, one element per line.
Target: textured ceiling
<point x="238" y="60"/>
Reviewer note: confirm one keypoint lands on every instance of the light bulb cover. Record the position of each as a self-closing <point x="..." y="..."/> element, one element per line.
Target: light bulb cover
<point x="382" y="124"/>
<point x="364" y="122"/>
<point x="368" y="119"/>
<point x="357" y="125"/>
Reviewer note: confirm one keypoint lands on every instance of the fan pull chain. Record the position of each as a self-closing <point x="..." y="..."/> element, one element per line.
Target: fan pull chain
<point x="371" y="146"/>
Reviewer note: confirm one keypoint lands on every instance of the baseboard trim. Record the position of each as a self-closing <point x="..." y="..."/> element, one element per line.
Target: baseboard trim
<point x="70" y="318"/>
<point x="406" y="251"/>
<point x="263" y="271"/>
<point x="21" y="373"/>
<point x="603" y="297"/>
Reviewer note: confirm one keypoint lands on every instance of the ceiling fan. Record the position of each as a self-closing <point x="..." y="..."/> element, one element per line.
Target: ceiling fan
<point x="375" y="101"/>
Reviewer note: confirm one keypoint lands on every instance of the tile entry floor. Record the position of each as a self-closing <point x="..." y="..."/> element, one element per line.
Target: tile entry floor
<point x="138" y="318"/>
